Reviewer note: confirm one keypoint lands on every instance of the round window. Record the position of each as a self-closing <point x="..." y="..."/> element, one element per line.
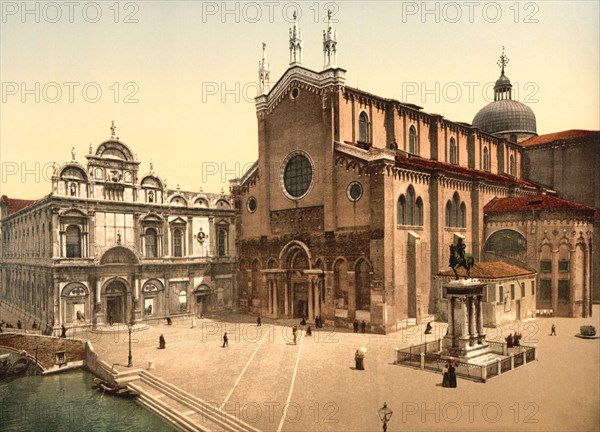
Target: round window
<point x="252" y="204"/>
<point x="297" y="175"/>
<point x="354" y="191"/>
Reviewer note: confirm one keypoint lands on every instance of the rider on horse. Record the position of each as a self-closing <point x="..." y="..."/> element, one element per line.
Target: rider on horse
<point x="458" y="258"/>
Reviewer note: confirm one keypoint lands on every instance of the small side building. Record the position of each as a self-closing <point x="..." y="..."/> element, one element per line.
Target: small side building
<point x="510" y="293"/>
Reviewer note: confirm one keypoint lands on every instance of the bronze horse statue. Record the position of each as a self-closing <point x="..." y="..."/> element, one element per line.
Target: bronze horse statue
<point x="458" y="258"/>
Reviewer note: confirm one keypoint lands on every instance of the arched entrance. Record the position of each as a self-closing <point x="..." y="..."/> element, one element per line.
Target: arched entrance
<point x="115" y="293"/>
<point x="204" y="299"/>
<point x="75" y="308"/>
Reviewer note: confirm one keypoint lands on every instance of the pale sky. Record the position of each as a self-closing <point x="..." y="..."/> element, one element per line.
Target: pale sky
<point x="189" y="71"/>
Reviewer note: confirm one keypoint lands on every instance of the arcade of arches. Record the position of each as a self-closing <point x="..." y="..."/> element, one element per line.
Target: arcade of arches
<point x="296" y="285"/>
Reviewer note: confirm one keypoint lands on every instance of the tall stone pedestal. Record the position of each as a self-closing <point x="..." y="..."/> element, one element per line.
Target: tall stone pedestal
<point x="465" y="338"/>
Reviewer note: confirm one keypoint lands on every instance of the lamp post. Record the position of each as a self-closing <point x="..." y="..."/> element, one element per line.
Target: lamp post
<point x="385" y="414"/>
<point x="130" y="358"/>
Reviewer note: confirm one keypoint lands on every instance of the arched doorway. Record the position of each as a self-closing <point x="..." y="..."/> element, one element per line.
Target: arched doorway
<point x="115" y="301"/>
<point x="296" y="260"/>
<point x="75" y="303"/>
<point x="204" y="299"/>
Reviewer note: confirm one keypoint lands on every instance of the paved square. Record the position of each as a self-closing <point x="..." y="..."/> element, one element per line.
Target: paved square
<point x="274" y="385"/>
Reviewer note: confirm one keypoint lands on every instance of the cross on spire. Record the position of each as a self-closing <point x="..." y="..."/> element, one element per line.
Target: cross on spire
<point x="295" y="42"/>
<point x="263" y="71"/>
<point x="329" y="44"/>
<point x="503" y="60"/>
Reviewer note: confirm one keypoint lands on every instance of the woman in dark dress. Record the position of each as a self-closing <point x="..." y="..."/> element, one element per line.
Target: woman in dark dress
<point x="445" y="379"/>
<point x="452" y="375"/>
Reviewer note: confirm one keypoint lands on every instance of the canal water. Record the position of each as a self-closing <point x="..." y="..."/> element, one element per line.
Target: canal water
<point x="69" y="402"/>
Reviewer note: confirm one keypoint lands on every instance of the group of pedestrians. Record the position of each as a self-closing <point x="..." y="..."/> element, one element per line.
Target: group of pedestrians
<point x="449" y="377"/>
<point x="362" y="325"/>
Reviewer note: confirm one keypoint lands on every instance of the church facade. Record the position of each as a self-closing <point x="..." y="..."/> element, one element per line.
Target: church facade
<point x="350" y="210"/>
<point x="110" y="244"/>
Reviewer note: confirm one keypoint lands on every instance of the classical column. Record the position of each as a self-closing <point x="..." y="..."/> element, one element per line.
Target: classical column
<point x="465" y="316"/>
<point x="480" y="335"/>
<point x="472" y="320"/>
<point x="286" y="300"/>
<point x="318" y="294"/>
<point x="275" y="306"/>
<point x="452" y="328"/>
<point x="310" y="297"/>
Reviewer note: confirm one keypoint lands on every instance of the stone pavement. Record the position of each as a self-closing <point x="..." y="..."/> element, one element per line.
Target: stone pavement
<point x="262" y="377"/>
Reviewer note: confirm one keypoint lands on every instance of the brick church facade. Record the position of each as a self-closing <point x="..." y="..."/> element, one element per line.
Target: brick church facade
<point x="353" y="203"/>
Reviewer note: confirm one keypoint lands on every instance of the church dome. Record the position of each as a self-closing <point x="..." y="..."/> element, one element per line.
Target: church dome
<point x="506" y="116"/>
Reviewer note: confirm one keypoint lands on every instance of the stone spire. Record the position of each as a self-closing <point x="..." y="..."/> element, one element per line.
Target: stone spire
<point x="503" y="87"/>
<point x="329" y="44"/>
<point x="295" y="43"/>
<point x="263" y="72"/>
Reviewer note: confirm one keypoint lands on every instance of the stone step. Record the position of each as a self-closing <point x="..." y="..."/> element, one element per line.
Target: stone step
<point x="175" y="417"/>
<point x="205" y="410"/>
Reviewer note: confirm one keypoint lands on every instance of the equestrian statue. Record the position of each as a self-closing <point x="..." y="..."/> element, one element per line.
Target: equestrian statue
<point x="458" y="258"/>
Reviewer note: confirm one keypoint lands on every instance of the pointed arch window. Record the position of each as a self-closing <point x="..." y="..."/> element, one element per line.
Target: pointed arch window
<point x="73" y="242"/>
<point x="511" y="165"/>
<point x="363" y="127"/>
<point x="463" y="215"/>
<point x="448" y="214"/>
<point x="402" y="210"/>
<point x="486" y="159"/>
<point x="419" y="212"/>
<point x="413" y="145"/>
<point x="410" y="206"/>
<point x="453" y="151"/>
<point x="455" y="210"/>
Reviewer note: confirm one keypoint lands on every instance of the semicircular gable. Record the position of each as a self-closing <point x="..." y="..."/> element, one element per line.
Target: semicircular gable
<point x="178" y="200"/>
<point x="222" y="203"/>
<point x="119" y="255"/>
<point x="73" y="172"/>
<point x="151" y="182"/>
<point x="114" y="150"/>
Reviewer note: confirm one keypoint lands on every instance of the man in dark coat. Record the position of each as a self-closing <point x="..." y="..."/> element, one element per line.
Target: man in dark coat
<point x="363" y="326"/>
<point x="355" y="325"/>
<point x="225" y="340"/>
<point x="161" y="342"/>
<point x="63" y="332"/>
<point x="258" y="322"/>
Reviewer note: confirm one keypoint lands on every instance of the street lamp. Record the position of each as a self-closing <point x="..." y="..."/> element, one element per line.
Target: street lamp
<point x="385" y="414"/>
<point x="130" y="358"/>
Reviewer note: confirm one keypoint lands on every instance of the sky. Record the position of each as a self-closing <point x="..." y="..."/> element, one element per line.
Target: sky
<point x="179" y="77"/>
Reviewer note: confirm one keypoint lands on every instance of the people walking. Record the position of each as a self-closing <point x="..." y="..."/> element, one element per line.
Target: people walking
<point x="225" y="340"/>
<point x="355" y="325"/>
<point x="553" y="330"/>
<point x="258" y="321"/>
<point x="63" y="331"/>
<point x="309" y="331"/>
<point x="363" y="326"/>
<point x="295" y="333"/>
<point x="161" y="342"/>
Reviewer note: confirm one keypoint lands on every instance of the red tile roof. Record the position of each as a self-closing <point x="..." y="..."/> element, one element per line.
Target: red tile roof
<point x="13" y="205"/>
<point x="419" y="162"/>
<point x="490" y="270"/>
<point x="537" y="202"/>
<point x="567" y="135"/>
